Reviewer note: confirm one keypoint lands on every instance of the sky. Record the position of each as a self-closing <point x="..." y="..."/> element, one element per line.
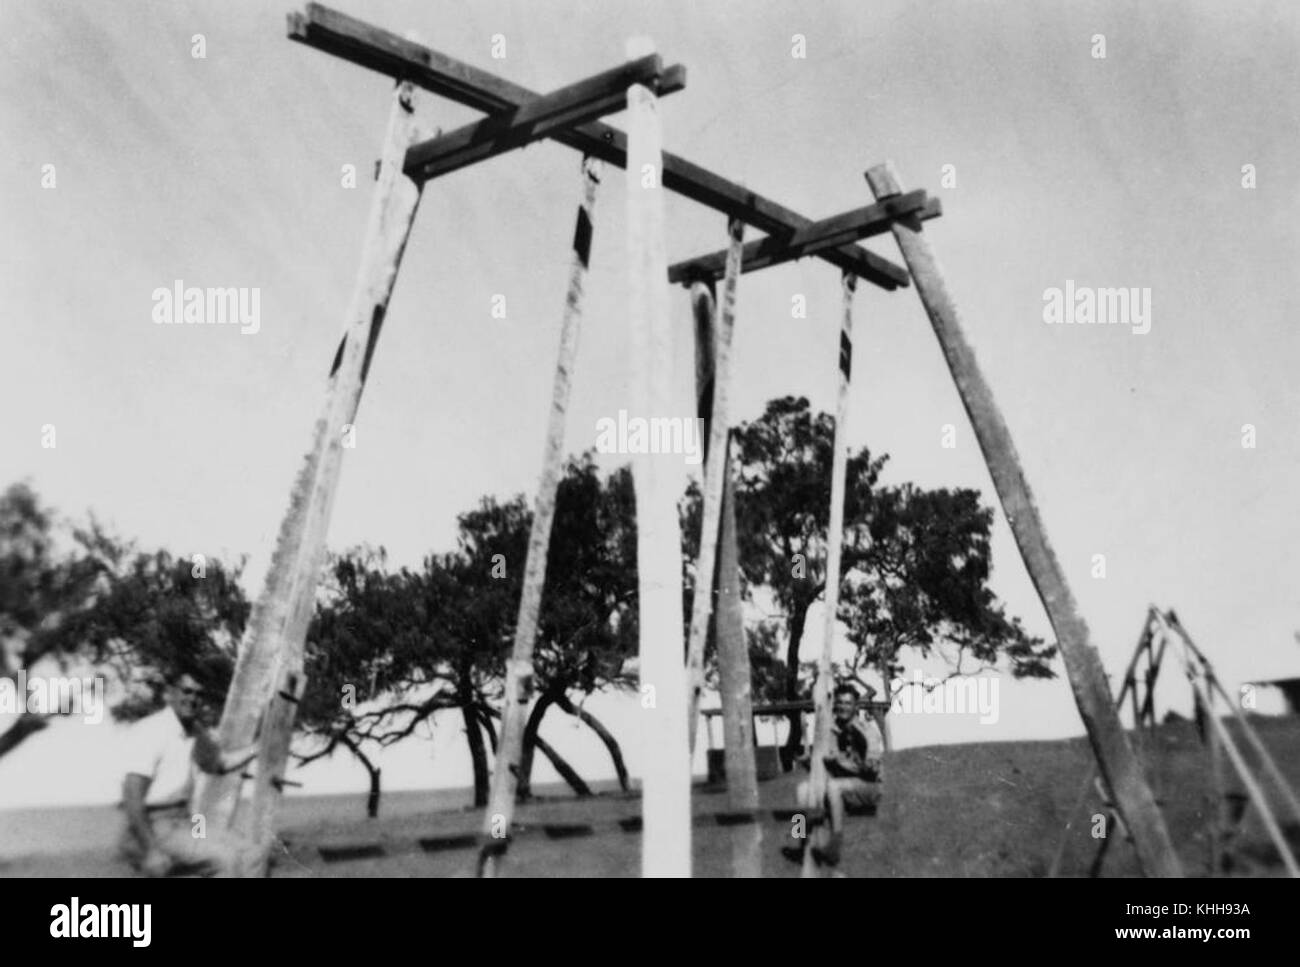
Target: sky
<point x="1052" y="164"/>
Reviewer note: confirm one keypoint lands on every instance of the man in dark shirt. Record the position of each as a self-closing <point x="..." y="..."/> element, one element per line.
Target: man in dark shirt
<point x="853" y="775"/>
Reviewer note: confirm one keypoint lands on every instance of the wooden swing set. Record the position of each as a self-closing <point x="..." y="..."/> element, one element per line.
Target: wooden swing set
<point x="268" y="676"/>
<point x="1160" y="630"/>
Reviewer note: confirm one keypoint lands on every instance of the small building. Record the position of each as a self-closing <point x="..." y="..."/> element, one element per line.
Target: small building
<point x="1280" y="696"/>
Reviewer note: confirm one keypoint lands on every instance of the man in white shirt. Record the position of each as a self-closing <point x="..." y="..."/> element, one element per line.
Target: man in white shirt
<point x="161" y="837"/>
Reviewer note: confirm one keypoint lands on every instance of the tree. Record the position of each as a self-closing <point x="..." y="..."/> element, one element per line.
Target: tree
<point x="32" y="587"/>
<point x="588" y="626"/>
<point x="783" y="510"/>
<point x="360" y="661"/>
<point x="387" y="650"/>
<point x="767" y="669"/>
<point x="921" y="583"/>
<point x="476" y="605"/>
<point x="141" y="616"/>
<point x="154" y="616"/>
<point x="915" y="564"/>
<point x="437" y="637"/>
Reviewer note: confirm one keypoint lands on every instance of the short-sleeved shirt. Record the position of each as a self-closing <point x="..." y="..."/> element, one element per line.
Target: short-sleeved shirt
<point x="162" y="752"/>
<point x="860" y="742"/>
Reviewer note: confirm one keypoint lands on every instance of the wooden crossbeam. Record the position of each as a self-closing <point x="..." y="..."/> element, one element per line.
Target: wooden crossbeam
<point x="379" y="50"/>
<point x="586" y="100"/>
<point x="828" y="233"/>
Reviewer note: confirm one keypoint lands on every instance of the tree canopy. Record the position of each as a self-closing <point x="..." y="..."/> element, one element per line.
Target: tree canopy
<point x="388" y="648"/>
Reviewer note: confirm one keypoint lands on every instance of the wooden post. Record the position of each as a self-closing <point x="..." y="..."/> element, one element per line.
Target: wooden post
<point x="274" y="745"/>
<point x="272" y="645"/>
<point x="1115" y="756"/>
<point x="733" y="650"/>
<point x="717" y="420"/>
<point x="1218" y="810"/>
<point x="834" y="546"/>
<point x="1129" y="682"/>
<point x="1148" y="708"/>
<point x="665" y="753"/>
<point x="519" y="670"/>
<point x="736" y="685"/>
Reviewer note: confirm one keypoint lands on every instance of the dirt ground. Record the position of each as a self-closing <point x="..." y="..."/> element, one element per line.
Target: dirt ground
<point x="993" y="809"/>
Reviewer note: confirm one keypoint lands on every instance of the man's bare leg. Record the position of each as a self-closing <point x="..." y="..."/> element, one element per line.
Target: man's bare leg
<point x="828" y="848"/>
<point x="813" y="836"/>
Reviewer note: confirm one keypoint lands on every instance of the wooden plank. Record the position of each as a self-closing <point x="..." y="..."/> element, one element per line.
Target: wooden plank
<point x="1218" y="806"/>
<point x="734" y="678"/>
<point x="719" y="380"/>
<point x="1115" y="756"/>
<point x="274" y="745"/>
<point x="736" y="685"/>
<point x="665" y="755"/>
<point x="278" y="625"/>
<point x="1055" y="869"/>
<point x="376" y="49"/>
<point x="519" y="669"/>
<point x="821" y="746"/>
<point x="604" y="93"/>
<point x="828" y="233"/>
<point x="1147" y="711"/>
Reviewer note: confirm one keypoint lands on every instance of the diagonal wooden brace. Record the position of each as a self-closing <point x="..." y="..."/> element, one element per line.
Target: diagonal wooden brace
<point x="1115" y="757"/>
<point x="271" y="652"/>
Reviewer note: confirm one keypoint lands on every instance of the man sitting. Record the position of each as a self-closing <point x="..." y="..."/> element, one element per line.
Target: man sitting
<point x="854" y="777"/>
<point x="161" y="837"/>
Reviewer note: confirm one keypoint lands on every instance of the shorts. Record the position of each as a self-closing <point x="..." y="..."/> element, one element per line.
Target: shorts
<point x="853" y="792"/>
<point x="857" y="793"/>
<point x="218" y="852"/>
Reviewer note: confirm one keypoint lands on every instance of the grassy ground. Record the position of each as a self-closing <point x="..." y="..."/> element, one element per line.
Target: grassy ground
<point x="993" y="809"/>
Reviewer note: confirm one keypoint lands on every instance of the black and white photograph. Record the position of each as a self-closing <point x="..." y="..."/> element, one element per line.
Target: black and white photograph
<point x="585" y="440"/>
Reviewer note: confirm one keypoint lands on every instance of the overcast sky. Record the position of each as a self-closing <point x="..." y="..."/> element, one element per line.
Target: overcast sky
<point x="1117" y="171"/>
